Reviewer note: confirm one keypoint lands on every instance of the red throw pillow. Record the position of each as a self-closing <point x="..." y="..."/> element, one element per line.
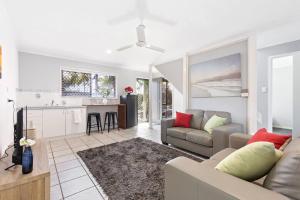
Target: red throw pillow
<point x="183" y="120"/>
<point x="262" y="135"/>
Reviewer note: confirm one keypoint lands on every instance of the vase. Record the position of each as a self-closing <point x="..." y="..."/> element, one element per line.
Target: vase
<point x="27" y="160"/>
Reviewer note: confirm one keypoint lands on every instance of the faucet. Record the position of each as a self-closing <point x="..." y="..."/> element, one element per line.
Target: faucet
<point x="52" y="103"/>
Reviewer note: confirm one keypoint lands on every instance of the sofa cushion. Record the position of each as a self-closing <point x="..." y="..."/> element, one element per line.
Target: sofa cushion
<point x="262" y="135"/>
<point x="178" y="132"/>
<point x="251" y="162"/>
<point x="183" y="120"/>
<point x="284" y="178"/>
<point x="209" y="114"/>
<point x="214" y="122"/>
<point x="222" y="154"/>
<point x="197" y="118"/>
<point x="199" y="137"/>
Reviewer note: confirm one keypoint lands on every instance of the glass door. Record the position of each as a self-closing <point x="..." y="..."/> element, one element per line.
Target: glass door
<point x="142" y="89"/>
<point x="166" y="94"/>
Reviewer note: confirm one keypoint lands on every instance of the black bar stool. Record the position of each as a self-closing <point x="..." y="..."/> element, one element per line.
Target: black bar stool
<point x="91" y="125"/>
<point x="111" y="118"/>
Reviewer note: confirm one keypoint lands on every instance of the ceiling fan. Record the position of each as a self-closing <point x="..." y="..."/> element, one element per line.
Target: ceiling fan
<point x="140" y="30"/>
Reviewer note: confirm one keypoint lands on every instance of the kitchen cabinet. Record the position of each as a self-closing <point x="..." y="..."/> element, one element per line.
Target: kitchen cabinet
<point x="73" y="126"/>
<point x="54" y="122"/>
<point x="34" y="121"/>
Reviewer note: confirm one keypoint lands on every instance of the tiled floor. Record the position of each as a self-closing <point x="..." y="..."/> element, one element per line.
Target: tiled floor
<point x="70" y="179"/>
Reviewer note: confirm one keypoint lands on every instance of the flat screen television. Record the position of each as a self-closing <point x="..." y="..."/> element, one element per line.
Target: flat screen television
<point x="18" y="134"/>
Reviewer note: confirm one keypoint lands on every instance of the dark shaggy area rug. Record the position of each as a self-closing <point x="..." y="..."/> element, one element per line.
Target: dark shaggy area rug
<point x="132" y="169"/>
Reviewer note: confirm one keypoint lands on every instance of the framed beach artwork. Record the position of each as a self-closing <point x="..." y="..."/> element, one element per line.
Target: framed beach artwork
<point x="0" y="62"/>
<point x="220" y="77"/>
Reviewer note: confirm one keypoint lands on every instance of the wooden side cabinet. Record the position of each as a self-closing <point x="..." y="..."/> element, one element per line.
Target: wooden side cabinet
<point x="122" y="116"/>
<point x="34" y="186"/>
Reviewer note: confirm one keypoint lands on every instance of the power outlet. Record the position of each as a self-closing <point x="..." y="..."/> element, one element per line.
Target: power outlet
<point x="259" y="117"/>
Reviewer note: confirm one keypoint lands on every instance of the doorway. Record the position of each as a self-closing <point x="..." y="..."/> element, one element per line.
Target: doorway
<point x="281" y="89"/>
<point x="142" y="89"/>
<point x="166" y="99"/>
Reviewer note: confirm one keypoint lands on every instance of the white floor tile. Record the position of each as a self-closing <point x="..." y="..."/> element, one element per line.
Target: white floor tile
<point x="67" y="165"/>
<point x="76" y="185"/>
<point x="89" y="194"/>
<point x="80" y="148"/>
<point x="54" y="180"/>
<point x="62" y="153"/>
<point x="55" y="193"/>
<point x="64" y="158"/>
<point x="71" y="174"/>
<point x="60" y="148"/>
<point x="96" y="144"/>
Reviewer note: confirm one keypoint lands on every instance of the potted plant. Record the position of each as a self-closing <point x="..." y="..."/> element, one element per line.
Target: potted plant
<point x="104" y="93"/>
<point x="128" y="90"/>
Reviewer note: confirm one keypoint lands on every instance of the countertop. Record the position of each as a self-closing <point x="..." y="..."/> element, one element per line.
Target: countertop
<point x="109" y="104"/>
<point x="52" y="107"/>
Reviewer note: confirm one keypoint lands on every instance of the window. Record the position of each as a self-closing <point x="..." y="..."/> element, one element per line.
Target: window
<point x="75" y="83"/>
<point x="88" y="84"/>
<point x="103" y="86"/>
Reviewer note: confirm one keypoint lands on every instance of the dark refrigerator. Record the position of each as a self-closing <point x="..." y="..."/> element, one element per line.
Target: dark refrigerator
<point x="131" y="103"/>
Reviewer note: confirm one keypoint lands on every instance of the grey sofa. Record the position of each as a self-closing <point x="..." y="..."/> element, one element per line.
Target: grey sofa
<point x="188" y="179"/>
<point x="195" y="139"/>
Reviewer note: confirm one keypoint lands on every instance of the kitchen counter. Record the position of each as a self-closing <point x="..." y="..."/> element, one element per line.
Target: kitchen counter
<point x="52" y="107"/>
<point x="109" y="104"/>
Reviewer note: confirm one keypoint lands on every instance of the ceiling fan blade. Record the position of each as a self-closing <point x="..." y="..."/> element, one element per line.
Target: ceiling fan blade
<point x="155" y="48"/>
<point x="125" y="47"/>
<point x="140" y="31"/>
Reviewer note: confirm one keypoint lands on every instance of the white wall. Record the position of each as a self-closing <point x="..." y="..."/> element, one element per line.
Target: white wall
<point x="282" y="91"/>
<point x="172" y="71"/>
<point x="278" y="35"/>
<point x="41" y="74"/>
<point x="177" y="101"/>
<point x="9" y="81"/>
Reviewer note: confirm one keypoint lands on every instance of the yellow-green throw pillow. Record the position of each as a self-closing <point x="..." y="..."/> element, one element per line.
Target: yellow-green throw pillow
<point x="213" y="122"/>
<point x="251" y="162"/>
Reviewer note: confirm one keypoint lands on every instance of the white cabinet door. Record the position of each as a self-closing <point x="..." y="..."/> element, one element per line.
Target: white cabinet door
<point x="54" y="122"/>
<point x="73" y="127"/>
<point x="34" y="121"/>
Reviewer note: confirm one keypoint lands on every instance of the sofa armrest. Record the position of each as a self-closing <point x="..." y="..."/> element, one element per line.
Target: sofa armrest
<point x="221" y="136"/>
<point x="238" y="140"/>
<point x="188" y="179"/>
<point x="165" y="124"/>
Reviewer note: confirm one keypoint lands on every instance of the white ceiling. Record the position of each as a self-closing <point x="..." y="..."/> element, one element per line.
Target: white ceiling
<point x="82" y="29"/>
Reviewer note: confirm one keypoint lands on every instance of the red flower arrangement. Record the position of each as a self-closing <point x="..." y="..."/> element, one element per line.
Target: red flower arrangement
<point x="128" y="90"/>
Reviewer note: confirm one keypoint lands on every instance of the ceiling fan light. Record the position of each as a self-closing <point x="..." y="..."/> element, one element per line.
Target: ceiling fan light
<point x="108" y="51"/>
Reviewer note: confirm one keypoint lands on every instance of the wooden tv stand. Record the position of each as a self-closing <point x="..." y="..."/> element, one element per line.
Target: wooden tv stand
<point x="33" y="186"/>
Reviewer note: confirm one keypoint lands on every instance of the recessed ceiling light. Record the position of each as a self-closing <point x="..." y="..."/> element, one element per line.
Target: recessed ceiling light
<point x="108" y="51"/>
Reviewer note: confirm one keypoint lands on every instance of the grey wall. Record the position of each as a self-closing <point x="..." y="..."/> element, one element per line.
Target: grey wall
<point x="38" y="72"/>
<point x="296" y="113"/>
<point x="237" y="106"/>
<point x="263" y="56"/>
